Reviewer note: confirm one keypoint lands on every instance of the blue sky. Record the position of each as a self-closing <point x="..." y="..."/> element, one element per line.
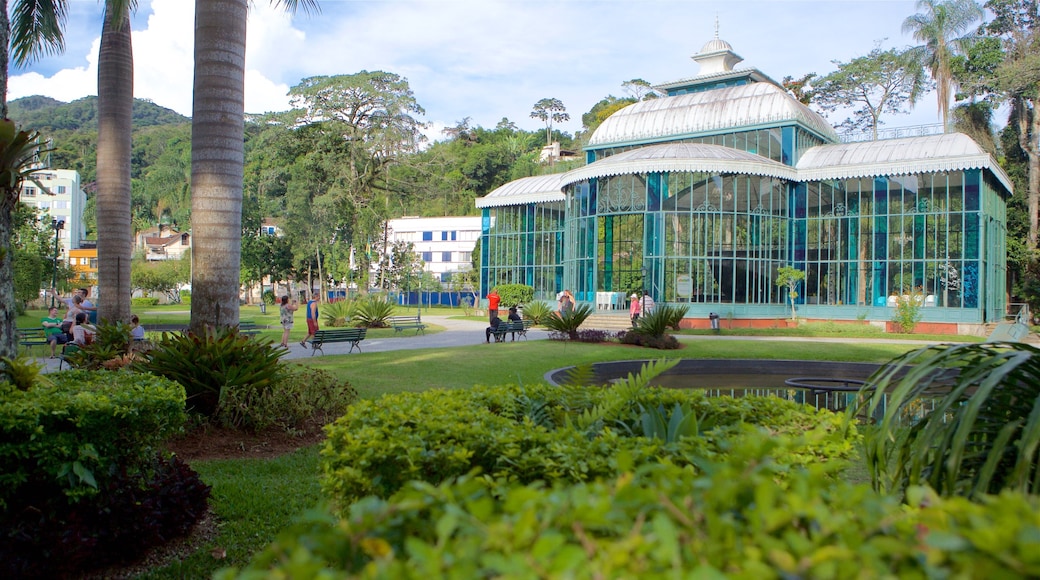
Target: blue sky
<point x="484" y="59"/>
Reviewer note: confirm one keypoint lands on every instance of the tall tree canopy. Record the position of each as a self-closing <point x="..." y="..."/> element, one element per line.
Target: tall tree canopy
<point x="550" y="111"/>
<point x="874" y="85"/>
<point x="945" y="28"/>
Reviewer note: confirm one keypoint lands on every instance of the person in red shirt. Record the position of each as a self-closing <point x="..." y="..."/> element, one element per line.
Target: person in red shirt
<point x="493" y="299"/>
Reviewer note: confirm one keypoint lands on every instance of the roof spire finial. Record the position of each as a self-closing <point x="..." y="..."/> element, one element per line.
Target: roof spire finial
<point x="716" y="24"/>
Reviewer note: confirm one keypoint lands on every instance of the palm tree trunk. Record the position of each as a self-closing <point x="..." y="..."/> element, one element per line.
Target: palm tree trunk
<point x="217" y="161"/>
<point x="5" y="57"/>
<point x="1028" y="134"/>
<point x="115" y="119"/>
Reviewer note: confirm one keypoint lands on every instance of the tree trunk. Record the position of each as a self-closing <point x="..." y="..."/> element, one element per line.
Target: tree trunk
<point x="1028" y="135"/>
<point x="8" y="331"/>
<point x="5" y="57"/>
<point x="115" y="119"/>
<point x="217" y="161"/>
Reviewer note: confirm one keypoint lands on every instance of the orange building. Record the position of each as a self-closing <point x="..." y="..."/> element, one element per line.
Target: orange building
<point x="84" y="262"/>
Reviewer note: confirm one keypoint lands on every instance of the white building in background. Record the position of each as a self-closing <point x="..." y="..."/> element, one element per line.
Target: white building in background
<point x="444" y="244"/>
<point x="63" y="199"/>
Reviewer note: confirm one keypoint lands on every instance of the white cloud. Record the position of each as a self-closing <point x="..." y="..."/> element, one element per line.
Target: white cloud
<point x="486" y="59"/>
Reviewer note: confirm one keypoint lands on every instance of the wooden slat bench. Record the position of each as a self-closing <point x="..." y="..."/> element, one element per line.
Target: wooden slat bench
<point x="399" y="323"/>
<point x="352" y="335"/>
<point x="516" y="327"/>
<point x="248" y="327"/>
<point x="30" y="337"/>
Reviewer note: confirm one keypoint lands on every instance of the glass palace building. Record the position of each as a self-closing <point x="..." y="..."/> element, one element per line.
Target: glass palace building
<point x="700" y="196"/>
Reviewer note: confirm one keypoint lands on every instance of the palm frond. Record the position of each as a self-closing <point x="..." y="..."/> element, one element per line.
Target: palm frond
<point x="982" y="434"/>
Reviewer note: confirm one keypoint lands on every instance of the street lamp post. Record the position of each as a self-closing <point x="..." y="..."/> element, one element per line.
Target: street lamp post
<point x="58" y="225"/>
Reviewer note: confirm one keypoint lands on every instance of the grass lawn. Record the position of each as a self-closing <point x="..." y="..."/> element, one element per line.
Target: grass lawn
<point x="374" y="374"/>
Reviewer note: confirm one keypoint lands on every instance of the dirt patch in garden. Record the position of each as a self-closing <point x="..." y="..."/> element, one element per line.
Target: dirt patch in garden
<point x="209" y="442"/>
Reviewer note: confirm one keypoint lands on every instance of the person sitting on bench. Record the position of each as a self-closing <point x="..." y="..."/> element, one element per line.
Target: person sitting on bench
<point x="513" y="317"/>
<point x="495" y="321"/>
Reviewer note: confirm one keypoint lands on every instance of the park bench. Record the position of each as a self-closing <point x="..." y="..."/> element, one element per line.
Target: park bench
<point x="516" y="327"/>
<point x="30" y="337"/>
<point x="248" y="327"/>
<point x="399" y="323"/>
<point x="352" y="335"/>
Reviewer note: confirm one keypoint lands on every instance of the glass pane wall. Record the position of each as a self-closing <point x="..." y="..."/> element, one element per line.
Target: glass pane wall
<point x="524" y="245"/>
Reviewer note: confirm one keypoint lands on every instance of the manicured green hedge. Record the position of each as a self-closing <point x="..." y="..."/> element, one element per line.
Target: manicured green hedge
<point x="743" y="516"/>
<point x="543" y="433"/>
<point x="71" y="431"/>
<point x="144" y="301"/>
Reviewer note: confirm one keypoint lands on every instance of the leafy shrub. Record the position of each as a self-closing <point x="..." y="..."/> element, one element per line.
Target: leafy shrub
<point x="20" y="373"/>
<point x="208" y="363"/>
<point x="78" y="428"/>
<point x="983" y="435"/>
<point x="134" y="510"/>
<point x="144" y="301"/>
<point x="300" y="395"/>
<point x="657" y="322"/>
<point x="742" y="516"/>
<point x="908" y="310"/>
<point x="269" y="297"/>
<point x="566" y="324"/>
<point x="662" y="342"/>
<point x="185" y="296"/>
<point x="514" y="294"/>
<point x="577" y="434"/>
<point x="338" y="314"/>
<point x="593" y="335"/>
<point x="373" y="311"/>
<point x="538" y="312"/>
<point x="111" y="349"/>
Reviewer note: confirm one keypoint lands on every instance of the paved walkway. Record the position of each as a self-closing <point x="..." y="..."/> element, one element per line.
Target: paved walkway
<point x="459" y="332"/>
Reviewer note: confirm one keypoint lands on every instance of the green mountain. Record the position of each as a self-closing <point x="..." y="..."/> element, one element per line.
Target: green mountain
<point x="46" y="115"/>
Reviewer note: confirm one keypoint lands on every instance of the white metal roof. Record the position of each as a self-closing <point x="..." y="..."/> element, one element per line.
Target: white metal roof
<point x="720" y="109"/>
<point x="949" y="152"/>
<point x="537" y="189"/>
<point x="675" y="157"/>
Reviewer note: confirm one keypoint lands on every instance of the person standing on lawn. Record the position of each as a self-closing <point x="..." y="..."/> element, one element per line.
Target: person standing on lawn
<point x="634" y="310"/>
<point x="493" y="299"/>
<point x="285" y="318"/>
<point x="312" y="319"/>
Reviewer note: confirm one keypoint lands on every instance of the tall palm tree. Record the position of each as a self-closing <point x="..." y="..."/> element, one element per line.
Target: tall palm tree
<point x="115" y="125"/>
<point x="940" y="27"/>
<point x="36" y="30"/>
<point x="217" y="158"/>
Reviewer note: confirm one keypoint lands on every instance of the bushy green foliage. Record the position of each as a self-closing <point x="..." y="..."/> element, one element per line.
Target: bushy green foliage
<point x="565" y="326"/>
<point x="660" y="342"/>
<point x="538" y="312"/>
<point x="378" y="446"/>
<point x="135" y="510"/>
<point x="20" y="373"/>
<point x="67" y="436"/>
<point x="338" y="314"/>
<point x="300" y="395"/>
<point x="144" y="301"/>
<point x="208" y="363"/>
<point x="514" y="294"/>
<point x="983" y="435"/>
<point x="373" y="311"/>
<point x="111" y="349"/>
<point x="743" y="515"/>
<point x="908" y="310"/>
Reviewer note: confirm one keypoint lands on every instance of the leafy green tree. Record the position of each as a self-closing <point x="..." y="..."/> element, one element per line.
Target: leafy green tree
<point x="164" y="276"/>
<point x="874" y="85"/>
<point x="1017" y="24"/>
<point x="599" y="112"/>
<point x="800" y="88"/>
<point x="639" y="90"/>
<point x="790" y="277"/>
<point x="550" y="111"/>
<point x="945" y="29"/>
